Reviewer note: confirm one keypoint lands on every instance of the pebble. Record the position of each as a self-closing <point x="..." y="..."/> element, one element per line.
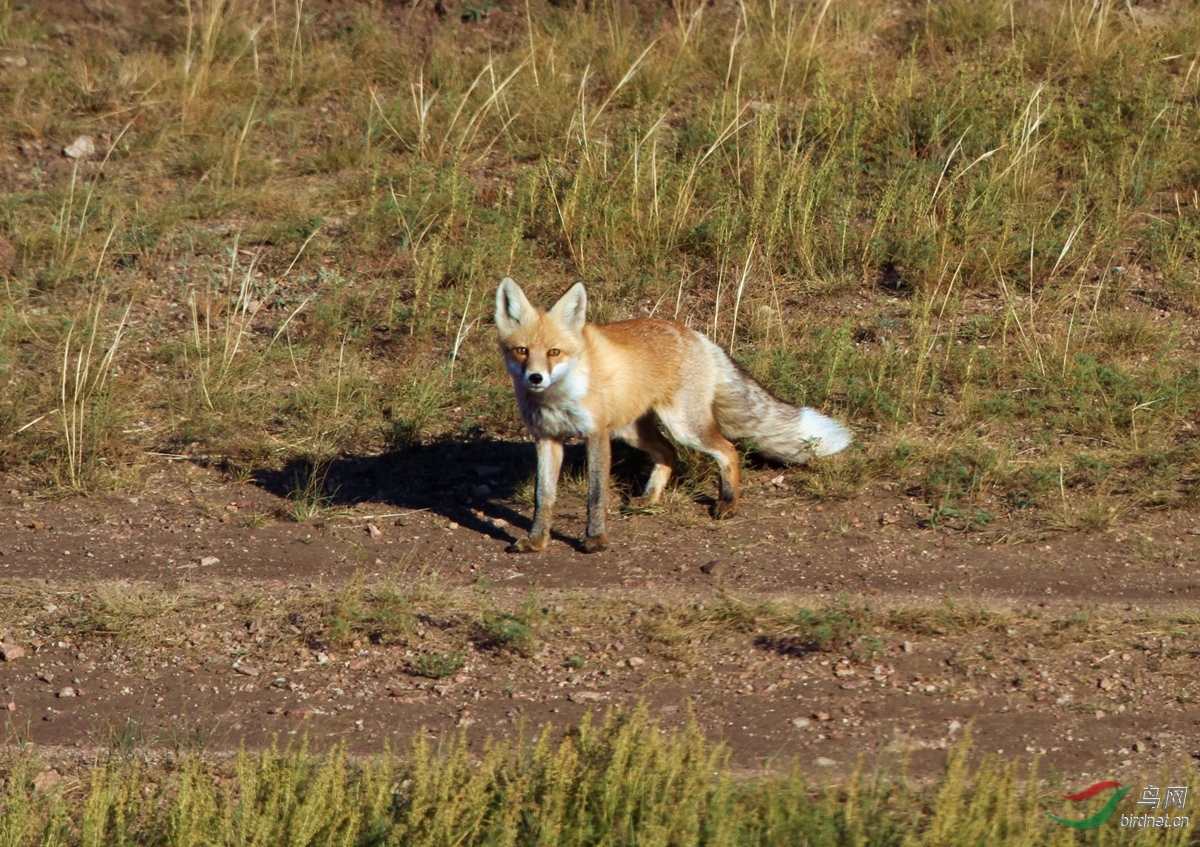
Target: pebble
<point x="635" y="661"/>
<point x="713" y="568"/>
<point x="823" y="762"/>
<point x="46" y="780"/>
<point x="82" y="147"/>
<point x="246" y="670"/>
<point x="208" y="561"/>
<point x="9" y="652"/>
<point x="66" y="692"/>
<point x="373" y="530"/>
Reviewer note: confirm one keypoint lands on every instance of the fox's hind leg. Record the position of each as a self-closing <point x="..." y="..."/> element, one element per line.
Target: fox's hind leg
<point x="722" y="449"/>
<point x="644" y="434"/>
<point x="703" y="434"/>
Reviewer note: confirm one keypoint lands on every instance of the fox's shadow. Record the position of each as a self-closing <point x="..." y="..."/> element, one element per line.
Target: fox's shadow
<point x="468" y="482"/>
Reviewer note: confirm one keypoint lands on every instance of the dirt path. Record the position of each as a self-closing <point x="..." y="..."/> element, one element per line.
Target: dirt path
<point x="192" y="614"/>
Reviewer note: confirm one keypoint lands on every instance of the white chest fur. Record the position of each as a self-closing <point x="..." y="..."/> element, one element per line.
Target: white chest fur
<point x="559" y="411"/>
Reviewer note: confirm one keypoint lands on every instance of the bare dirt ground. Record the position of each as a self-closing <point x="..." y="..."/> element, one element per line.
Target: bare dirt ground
<point x="1079" y="647"/>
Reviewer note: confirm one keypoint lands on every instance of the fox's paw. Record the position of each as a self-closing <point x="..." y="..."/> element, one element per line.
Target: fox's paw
<point x="724" y="509"/>
<point x="595" y="543"/>
<point x="529" y="545"/>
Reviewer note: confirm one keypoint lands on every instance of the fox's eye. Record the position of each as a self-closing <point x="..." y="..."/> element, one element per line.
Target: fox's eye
<point x="520" y="351"/>
<point x="554" y="352"/>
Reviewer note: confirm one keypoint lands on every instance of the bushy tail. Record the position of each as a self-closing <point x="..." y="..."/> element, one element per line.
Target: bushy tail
<point x="786" y="433"/>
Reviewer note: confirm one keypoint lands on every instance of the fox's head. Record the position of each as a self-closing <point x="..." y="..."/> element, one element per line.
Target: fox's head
<point x="540" y="348"/>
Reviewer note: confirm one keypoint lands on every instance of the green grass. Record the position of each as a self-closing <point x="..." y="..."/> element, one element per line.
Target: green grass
<point x="622" y="781"/>
<point x="968" y="228"/>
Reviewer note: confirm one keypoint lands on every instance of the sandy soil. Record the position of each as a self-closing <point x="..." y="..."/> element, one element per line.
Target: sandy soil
<point x="1084" y="658"/>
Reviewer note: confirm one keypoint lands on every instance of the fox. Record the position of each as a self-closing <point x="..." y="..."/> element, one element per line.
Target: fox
<point x="631" y="380"/>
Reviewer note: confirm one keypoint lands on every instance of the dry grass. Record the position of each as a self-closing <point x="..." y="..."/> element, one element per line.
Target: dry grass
<point x="622" y="781"/>
<point x="968" y="229"/>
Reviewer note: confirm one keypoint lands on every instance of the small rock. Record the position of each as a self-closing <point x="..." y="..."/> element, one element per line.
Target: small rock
<point x="1106" y="684"/>
<point x="66" y="692"/>
<point x="854" y="683"/>
<point x="373" y="530"/>
<point x="46" y="676"/>
<point x="10" y="706"/>
<point x="635" y="661"/>
<point x="908" y="646"/>
<point x="322" y="659"/>
<point x="246" y="670"/>
<point x="254" y="624"/>
<point x="300" y="713"/>
<point x="208" y="561"/>
<point x="823" y="762"/>
<point x="801" y="723"/>
<point x="46" y="780"/>
<point x="81" y="148"/>
<point x="954" y="727"/>
<point x="9" y="652"/>
<point x="1139" y="747"/>
<point x="1099" y="714"/>
<point x="584" y="696"/>
<point x="822" y="716"/>
<point x="713" y="568"/>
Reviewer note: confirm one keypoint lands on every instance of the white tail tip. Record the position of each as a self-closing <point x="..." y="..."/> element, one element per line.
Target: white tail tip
<point x="827" y="435"/>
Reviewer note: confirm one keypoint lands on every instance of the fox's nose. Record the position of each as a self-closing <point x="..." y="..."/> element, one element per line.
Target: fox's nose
<point x="535" y="379"/>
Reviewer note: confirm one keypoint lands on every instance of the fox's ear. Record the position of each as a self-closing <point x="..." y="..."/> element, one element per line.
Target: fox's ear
<point x="511" y="305"/>
<point x="571" y="309"/>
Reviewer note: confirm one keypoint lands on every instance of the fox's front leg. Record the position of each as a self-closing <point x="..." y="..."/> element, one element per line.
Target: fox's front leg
<point x="599" y="453"/>
<point x="549" y="455"/>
